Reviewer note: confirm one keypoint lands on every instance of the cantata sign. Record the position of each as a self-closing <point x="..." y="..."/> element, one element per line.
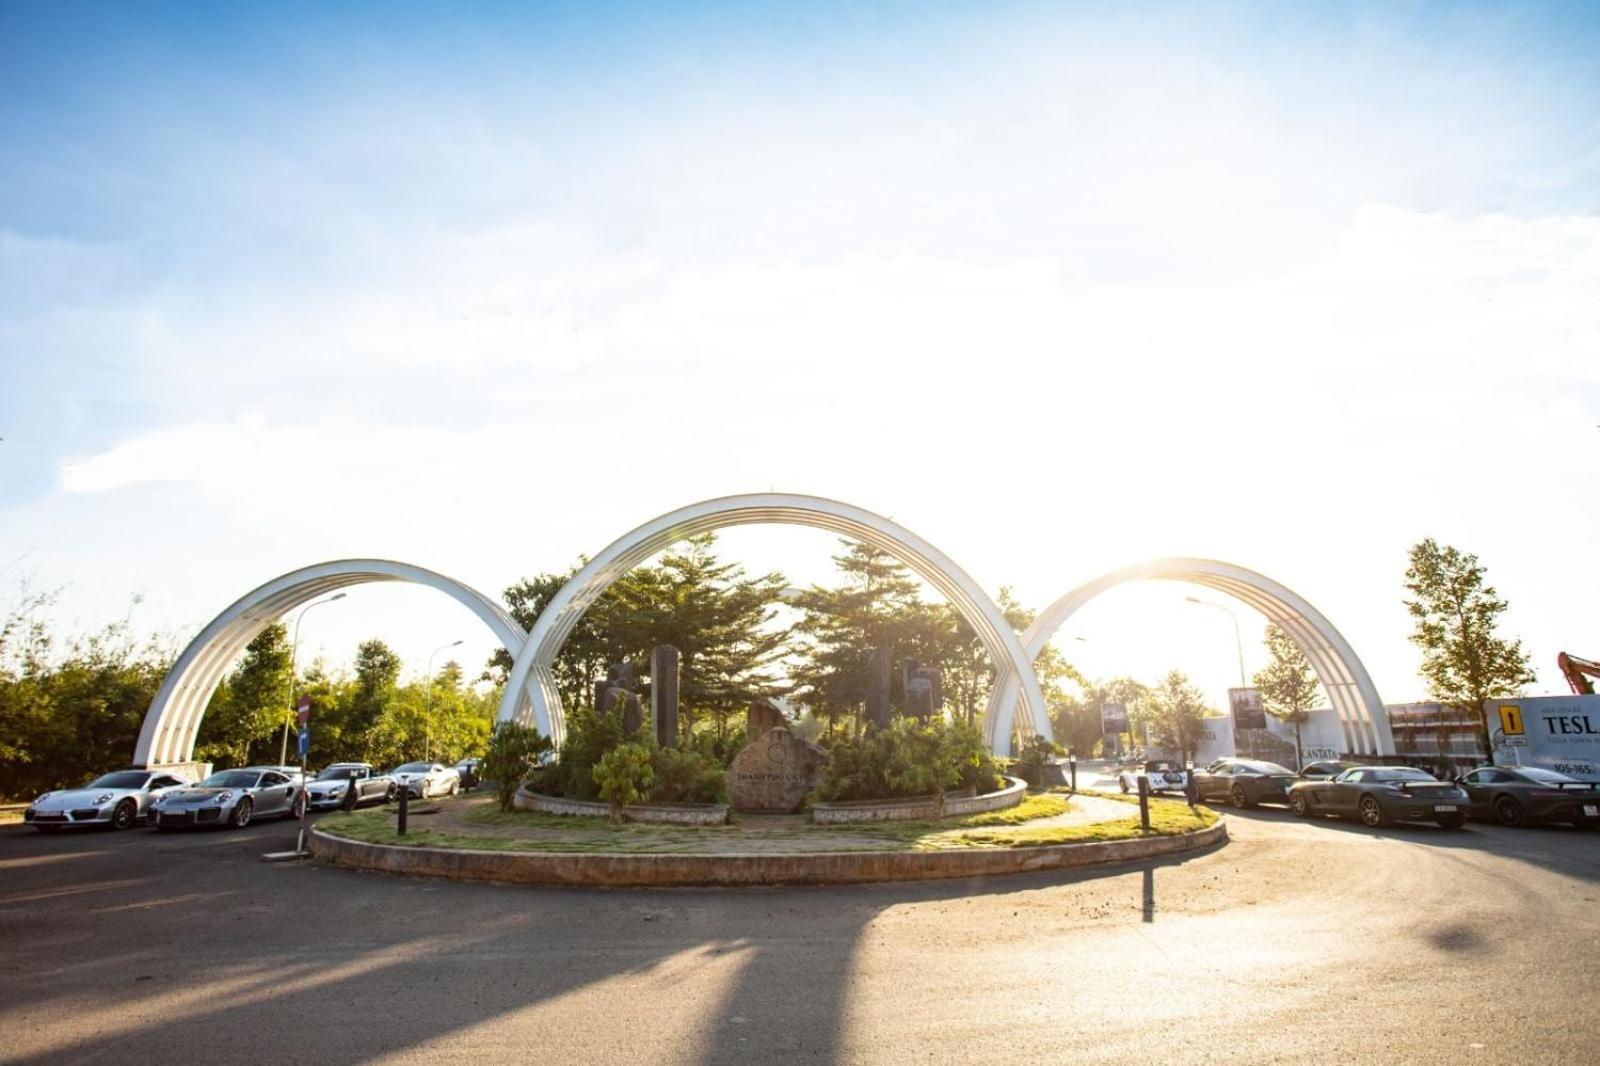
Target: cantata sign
<point x="1560" y="733"/>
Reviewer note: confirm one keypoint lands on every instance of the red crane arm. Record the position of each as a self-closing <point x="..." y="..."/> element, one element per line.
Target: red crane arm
<point x="1578" y="672"/>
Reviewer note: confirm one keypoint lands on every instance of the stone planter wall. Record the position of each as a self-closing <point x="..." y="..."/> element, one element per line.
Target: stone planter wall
<point x="910" y="810"/>
<point x="699" y="814"/>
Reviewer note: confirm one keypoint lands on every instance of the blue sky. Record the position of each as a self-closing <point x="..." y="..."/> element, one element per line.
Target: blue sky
<point x="1058" y="286"/>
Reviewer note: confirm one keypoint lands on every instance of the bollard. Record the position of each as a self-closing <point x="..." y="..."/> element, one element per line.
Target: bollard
<point x="404" y="794"/>
<point x="1144" y="802"/>
<point x="1072" y="766"/>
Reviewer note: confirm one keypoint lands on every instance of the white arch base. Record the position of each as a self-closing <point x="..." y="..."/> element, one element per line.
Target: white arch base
<point x="1349" y="688"/>
<point x="173" y="720"/>
<point x="531" y="691"/>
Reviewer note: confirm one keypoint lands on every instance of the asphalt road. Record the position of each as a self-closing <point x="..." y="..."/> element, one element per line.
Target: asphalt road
<point x="1297" y="942"/>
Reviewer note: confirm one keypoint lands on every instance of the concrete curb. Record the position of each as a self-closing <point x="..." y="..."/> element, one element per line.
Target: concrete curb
<point x="660" y="871"/>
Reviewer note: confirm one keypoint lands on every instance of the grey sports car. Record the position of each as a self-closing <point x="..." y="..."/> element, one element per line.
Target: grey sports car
<point x="118" y="799"/>
<point x="1531" y="795"/>
<point x="349" y="784"/>
<point x="1244" y="782"/>
<point x="229" y="797"/>
<point x="1379" y="795"/>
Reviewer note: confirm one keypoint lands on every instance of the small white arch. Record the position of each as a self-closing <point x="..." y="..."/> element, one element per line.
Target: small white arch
<point x="1349" y="688"/>
<point x="531" y="691"/>
<point x="173" y="720"/>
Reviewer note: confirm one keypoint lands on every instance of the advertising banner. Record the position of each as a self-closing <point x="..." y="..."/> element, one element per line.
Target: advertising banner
<point x="1560" y="733"/>
<point x="1245" y="703"/>
<point x="1114" y="718"/>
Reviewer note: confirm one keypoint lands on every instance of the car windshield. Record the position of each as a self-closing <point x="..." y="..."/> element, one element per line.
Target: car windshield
<point x="1546" y="777"/>
<point x="1401" y="773"/>
<point x="119" y="780"/>
<point x="231" y="779"/>
<point x="415" y="768"/>
<point x="1268" y="768"/>
<point x="339" y="773"/>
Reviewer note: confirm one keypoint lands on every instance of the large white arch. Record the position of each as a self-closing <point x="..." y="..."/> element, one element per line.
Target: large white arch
<point x="531" y="691"/>
<point x="1349" y="688"/>
<point x="173" y="720"/>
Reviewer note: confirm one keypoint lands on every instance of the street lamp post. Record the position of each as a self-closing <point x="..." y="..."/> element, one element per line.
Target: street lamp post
<point x="294" y="649"/>
<point x="1238" y="641"/>
<point x="427" y="713"/>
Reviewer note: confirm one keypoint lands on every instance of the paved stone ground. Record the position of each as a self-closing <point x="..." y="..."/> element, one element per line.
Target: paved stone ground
<point x="761" y="834"/>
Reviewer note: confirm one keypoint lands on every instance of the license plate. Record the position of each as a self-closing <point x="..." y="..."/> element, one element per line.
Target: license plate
<point x="1444" y="808"/>
<point x="1591" y="810"/>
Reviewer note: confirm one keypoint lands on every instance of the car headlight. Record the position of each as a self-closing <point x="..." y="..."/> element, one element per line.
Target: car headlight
<point x="223" y="797"/>
<point x="104" y="797"/>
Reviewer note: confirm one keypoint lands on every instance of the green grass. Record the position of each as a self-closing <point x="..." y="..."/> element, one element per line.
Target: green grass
<point x="577" y="834"/>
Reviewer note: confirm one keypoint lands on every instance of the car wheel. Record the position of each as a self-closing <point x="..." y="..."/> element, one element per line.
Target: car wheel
<point x="297" y="809"/>
<point x="125" y="814"/>
<point x="241" y="813"/>
<point x="352" y="799"/>
<point x="1452" y="821"/>
<point x="1237" y="797"/>
<point x="1123" y="782"/>
<point x="389" y="795"/>
<point x="455" y="786"/>
<point x="1297" y="804"/>
<point x="1371" y="812"/>
<point x="1508" y="811"/>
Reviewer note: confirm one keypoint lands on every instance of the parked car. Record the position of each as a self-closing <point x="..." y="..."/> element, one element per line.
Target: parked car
<point x="1163" y="775"/>
<point x="349" y="784"/>
<point x="1379" y="795"/>
<point x="1323" y="769"/>
<point x="1531" y="795"/>
<point x="1244" y="782"/>
<point x="118" y="799"/>
<point x="229" y="797"/>
<point x="468" y="769"/>
<point x="425" y="780"/>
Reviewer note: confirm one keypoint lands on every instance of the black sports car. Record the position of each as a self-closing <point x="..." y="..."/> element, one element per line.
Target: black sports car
<point x="1379" y="795"/>
<point x="1531" y="795"/>
<point x="1244" y="782"/>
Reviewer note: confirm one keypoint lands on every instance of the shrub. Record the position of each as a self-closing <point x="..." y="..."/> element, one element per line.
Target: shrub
<point x="623" y="775"/>
<point x="1030" y="762"/>
<point x="514" y="752"/>
<point x="910" y="758"/>
<point x="687" y="777"/>
<point x="590" y="737"/>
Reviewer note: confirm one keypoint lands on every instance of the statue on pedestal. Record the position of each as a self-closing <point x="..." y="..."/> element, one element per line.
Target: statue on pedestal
<point x="617" y="690"/>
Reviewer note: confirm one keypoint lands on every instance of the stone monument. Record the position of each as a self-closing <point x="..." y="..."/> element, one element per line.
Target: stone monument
<point x="762" y="717"/>
<point x="664" y="694"/>
<point x="617" y="690"/>
<point x="878" y="688"/>
<point x="923" y="697"/>
<point x="774" y="772"/>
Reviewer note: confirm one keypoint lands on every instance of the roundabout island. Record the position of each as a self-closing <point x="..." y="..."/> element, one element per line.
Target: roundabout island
<point x="470" y="838"/>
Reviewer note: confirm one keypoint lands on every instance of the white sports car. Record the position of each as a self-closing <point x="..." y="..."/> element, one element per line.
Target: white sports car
<point x="427" y="779"/>
<point x="1163" y="776"/>
<point x="119" y="800"/>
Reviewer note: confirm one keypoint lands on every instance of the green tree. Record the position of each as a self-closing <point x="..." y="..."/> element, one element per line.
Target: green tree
<point x="1455" y="614"/>
<point x="1175" y="708"/>
<point x="376" y="686"/>
<point x="624" y="775"/>
<point x="513" y="752"/>
<point x="1289" y="687"/>
<point x="251" y="705"/>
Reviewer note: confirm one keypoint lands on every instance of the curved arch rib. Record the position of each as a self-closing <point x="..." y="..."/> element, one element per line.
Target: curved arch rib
<point x="531" y="690"/>
<point x="1349" y="688"/>
<point x="173" y="720"/>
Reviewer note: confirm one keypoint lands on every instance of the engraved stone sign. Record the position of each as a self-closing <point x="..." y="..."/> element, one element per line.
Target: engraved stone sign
<point x="774" y="772"/>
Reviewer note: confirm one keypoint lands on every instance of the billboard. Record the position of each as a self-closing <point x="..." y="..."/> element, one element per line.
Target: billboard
<point x="1113" y="718"/>
<point x="1560" y="733"/>
<point x="1245" y="703"/>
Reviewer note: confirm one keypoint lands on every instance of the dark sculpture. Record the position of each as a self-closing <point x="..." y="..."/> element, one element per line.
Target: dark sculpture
<point x="923" y="698"/>
<point x="617" y="689"/>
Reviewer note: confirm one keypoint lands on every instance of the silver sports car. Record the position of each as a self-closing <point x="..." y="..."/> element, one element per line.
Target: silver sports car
<point x="229" y="797"/>
<point x="119" y="800"/>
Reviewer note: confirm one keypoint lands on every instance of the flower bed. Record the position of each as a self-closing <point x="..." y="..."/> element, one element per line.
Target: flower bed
<point x="675" y="814"/>
<point x="918" y="807"/>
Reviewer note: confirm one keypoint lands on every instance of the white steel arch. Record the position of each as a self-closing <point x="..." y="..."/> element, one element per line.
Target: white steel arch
<point x="531" y="691"/>
<point x="1349" y="688"/>
<point x="173" y="720"/>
